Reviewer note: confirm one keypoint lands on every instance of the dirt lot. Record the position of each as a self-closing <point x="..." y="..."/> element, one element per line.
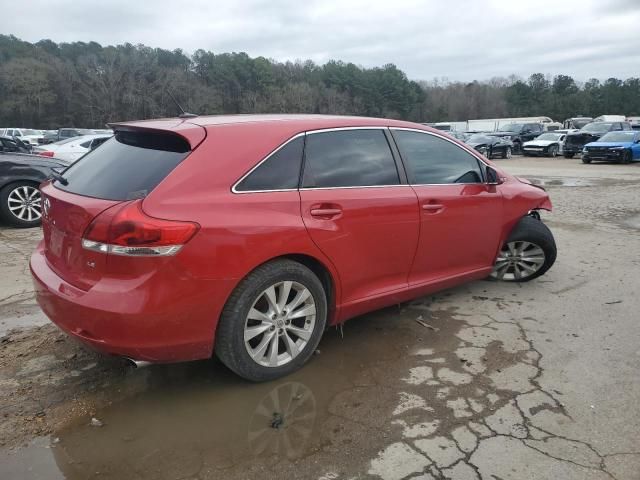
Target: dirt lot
<point x="533" y="381"/>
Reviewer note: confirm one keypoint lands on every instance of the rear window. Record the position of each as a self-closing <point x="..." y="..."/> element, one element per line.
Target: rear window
<point x="127" y="166"/>
<point x="280" y="171"/>
<point x="349" y="158"/>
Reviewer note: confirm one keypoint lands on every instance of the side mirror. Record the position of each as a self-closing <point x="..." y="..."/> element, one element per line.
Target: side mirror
<point x="492" y="176"/>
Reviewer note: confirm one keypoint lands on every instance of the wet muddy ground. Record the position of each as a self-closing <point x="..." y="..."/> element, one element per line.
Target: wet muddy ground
<point x="495" y="380"/>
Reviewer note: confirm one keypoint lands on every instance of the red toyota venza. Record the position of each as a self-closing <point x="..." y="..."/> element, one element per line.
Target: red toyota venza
<point x="247" y="236"/>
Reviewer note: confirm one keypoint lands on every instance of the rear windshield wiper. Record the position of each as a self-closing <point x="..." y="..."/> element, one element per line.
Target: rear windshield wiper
<point x="56" y="176"/>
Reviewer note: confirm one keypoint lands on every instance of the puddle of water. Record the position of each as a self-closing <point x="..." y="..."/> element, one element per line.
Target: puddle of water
<point x="566" y="181"/>
<point x="200" y="419"/>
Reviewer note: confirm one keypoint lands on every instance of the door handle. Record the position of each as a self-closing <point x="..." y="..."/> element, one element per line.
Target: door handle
<point x="432" y="207"/>
<point x="325" y="212"/>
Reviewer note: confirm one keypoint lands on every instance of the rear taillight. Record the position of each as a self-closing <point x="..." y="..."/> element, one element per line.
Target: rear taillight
<point x="46" y="154"/>
<point x="125" y="229"/>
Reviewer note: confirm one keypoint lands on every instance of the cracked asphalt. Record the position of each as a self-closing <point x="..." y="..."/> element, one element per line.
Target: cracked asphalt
<point x="495" y="381"/>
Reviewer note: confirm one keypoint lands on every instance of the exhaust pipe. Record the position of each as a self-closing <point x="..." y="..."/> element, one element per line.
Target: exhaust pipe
<point x="139" y="363"/>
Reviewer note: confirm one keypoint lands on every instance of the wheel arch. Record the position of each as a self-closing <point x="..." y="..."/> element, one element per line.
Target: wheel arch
<point x="327" y="276"/>
<point x="323" y="273"/>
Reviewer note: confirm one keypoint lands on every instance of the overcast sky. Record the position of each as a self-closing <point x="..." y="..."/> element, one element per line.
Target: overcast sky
<point x="454" y="39"/>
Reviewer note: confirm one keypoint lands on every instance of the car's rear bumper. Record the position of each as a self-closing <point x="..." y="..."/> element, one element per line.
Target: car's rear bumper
<point x="153" y="319"/>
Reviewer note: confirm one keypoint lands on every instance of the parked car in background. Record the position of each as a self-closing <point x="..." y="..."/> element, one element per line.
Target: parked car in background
<point x="20" y="176"/>
<point x="72" y="148"/>
<point x="620" y="147"/>
<point x="27" y="135"/>
<point x="518" y="133"/>
<point x="574" y="142"/>
<point x="64" y="133"/>
<point x="552" y="127"/>
<point x="462" y="136"/>
<point x="576" y="123"/>
<point x="155" y="252"/>
<point x="15" y="145"/>
<point x="490" y="146"/>
<point x="549" y="144"/>
<point x="634" y="122"/>
<point x="610" y="118"/>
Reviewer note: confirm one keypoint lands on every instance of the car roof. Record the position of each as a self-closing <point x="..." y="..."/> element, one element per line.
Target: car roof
<point x="320" y="121"/>
<point x="191" y="128"/>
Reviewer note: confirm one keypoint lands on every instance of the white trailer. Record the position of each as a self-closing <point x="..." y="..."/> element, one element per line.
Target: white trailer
<point x="493" y="124"/>
<point x="610" y="118"/>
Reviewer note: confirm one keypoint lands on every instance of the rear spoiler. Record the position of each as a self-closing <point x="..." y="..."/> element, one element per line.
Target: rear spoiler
<point x="192" y="133"/>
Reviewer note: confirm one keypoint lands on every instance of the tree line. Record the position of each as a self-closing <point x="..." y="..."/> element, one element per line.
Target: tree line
<point x="51" y="85"/>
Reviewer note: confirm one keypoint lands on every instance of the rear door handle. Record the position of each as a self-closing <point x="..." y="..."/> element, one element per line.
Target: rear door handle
<point x="432" y="207"/>
<point x="325" y="212"/>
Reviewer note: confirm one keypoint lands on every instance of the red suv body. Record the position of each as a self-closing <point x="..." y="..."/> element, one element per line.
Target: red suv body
<point x="147" y="237"/>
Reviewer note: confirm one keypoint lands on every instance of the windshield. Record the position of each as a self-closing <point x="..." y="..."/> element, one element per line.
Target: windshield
<point x="479" y="139"/>
<point x="549" y="136"/>
<point x="30" y="132"/>
<point x="66" y="140"/>
<point x="596" y="127"/>
<point x="618" y="137"/>
<point x="510" y="127"/>
<point x="580" y="123"/>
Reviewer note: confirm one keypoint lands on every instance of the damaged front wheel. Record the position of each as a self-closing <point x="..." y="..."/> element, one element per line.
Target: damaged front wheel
<point x="528" y="253"/>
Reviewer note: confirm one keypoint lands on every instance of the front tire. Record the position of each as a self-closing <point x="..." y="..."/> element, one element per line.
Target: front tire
<point x="528" y="253"/>
<point x="553" y="151"/>
<point x="517" y="147"/>
<point x="586" y="160"/>
<point x="627" y="156"/>
<point x="272" y="322"/>
<point x="568" y="155"/>
<point x="507" y="153"/>
<point x="20" y="204"/>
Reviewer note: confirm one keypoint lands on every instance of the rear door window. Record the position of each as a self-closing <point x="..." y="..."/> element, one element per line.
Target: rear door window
<point x="280" y="171"/>
<point x="431" y="160"/>
<point x="127" y="166"/>
<point x="349" y="158"/>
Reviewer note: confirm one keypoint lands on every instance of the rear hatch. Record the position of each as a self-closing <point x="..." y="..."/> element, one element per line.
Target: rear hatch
<point x="126" y="167"/>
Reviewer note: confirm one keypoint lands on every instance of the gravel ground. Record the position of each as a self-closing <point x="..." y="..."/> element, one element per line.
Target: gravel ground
<point x="533" y="381"/>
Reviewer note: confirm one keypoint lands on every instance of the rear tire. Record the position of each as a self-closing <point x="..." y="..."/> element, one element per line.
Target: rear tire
<point x="507" y="153"/>
<point x="528" y="253"/>
<point x="568" y="155"/>
<point x="20" y="204"/>
<point x="243" y="312"/>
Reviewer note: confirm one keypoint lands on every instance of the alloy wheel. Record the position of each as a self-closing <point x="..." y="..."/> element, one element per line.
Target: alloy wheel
<point x="25" y="203"/>
<point x="518" y="260"/>
<point x="279" y="324"/>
